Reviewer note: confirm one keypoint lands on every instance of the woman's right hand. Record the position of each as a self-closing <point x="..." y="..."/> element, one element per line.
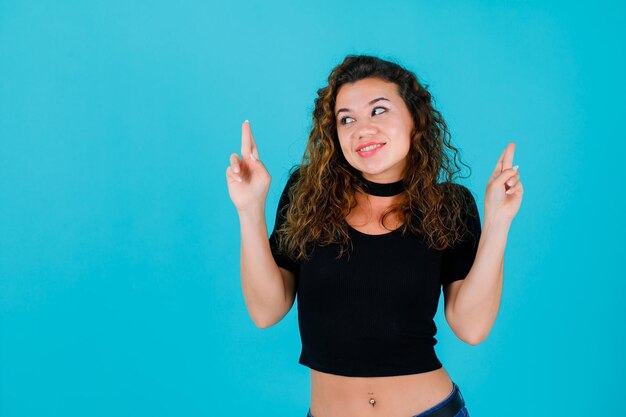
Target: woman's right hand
<point x="248" y="180"/>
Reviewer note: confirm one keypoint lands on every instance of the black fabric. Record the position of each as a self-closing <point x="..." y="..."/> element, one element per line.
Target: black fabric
<point x="370" y="313"/>
<point x="383" y="190"/>
<point x="458" y="260"/>
<point x="283" y="260"/>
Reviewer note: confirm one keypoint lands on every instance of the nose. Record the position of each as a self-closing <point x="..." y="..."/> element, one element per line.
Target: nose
<point x="366" y="129"/>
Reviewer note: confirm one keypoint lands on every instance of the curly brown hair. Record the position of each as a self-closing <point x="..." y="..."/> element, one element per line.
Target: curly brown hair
<point x="322" y="188"/>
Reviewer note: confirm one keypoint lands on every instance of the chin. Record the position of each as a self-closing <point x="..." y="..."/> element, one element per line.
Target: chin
<point x="372" y="171"/>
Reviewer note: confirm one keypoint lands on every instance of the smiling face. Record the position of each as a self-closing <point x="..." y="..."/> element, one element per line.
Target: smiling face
<point x="374" y="127"/>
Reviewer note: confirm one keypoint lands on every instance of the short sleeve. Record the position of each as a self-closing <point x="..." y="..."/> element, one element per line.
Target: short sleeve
<point x="458" y="260"/>
<point x="282" y="260"/>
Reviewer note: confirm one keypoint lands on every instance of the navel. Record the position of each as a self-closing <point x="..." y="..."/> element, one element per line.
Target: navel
<point x="372" y="401"/>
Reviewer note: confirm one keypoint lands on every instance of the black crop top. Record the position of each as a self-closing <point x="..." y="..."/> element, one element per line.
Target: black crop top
<point x="371" y="314"/>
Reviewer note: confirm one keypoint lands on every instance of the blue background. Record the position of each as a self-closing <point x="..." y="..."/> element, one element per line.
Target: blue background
<point x="119" y="246"/>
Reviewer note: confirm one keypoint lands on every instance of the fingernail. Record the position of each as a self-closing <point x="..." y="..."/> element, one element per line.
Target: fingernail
<point x="515" y="167"/>
<point x="236" y="169"/>
<point x="246" y="121"/>
<point x="252" y="157"/>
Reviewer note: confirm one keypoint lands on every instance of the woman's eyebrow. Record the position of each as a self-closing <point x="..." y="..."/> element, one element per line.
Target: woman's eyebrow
<point x="370" y="103"/>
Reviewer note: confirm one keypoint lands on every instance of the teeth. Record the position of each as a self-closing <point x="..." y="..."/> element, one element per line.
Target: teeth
<point x="369" y="148"/>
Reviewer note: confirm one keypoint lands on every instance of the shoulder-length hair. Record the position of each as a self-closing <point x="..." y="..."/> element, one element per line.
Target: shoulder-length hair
<point x="322" y="188"/>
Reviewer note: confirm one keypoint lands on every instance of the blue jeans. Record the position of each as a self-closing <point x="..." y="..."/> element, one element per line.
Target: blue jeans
<point x="462" y="412"/>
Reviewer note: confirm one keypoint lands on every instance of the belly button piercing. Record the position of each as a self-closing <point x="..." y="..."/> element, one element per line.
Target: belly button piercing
<point x="373" y="402"/>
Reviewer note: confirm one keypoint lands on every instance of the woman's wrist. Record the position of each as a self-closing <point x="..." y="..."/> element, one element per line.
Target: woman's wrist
<point x="252" y="214"/>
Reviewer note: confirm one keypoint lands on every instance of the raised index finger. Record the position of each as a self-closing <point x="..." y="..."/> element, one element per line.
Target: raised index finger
<point x="498" y="168"/>
<point x="508" y="156"/>
<point x="246" y="140"/>
<point x="505" y="160"/>
<point x="248" y="145"/>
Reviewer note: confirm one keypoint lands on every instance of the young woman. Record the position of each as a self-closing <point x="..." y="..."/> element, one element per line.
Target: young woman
<point x="367" y="235"/>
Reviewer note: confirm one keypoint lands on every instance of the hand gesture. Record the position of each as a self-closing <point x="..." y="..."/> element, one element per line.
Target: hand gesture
<point x="248" y="180"/>
<point x="504" y="189"/>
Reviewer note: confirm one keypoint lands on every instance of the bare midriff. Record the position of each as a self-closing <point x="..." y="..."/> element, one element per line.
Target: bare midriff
<point x="392" y="396"/>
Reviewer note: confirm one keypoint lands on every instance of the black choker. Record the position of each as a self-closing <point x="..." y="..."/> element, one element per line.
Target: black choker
<point x="382" y="190"/>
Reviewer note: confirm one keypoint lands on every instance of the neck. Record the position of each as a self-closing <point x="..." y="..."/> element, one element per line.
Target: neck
<point x="382" y="189"/>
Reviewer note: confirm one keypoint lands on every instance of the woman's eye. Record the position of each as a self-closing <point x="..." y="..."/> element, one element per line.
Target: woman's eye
<point x="343" y="120"/>
<point x="379" y="108"/>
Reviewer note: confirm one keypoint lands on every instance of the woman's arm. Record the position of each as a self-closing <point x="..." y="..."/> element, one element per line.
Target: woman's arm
<point x="269" y="291"/>
<point x="472" y="304"/>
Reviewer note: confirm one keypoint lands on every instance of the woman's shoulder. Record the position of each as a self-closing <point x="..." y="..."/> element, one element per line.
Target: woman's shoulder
<point x="294" y="174"/>
<point x="453" y="186"/>
<point x="457" y="192"/>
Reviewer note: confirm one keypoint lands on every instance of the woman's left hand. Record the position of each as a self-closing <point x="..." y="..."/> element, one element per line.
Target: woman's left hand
<point x="504" y="189"/>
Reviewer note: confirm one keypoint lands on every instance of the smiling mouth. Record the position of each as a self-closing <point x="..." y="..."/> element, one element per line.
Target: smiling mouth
<point x="370" y="146"/>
